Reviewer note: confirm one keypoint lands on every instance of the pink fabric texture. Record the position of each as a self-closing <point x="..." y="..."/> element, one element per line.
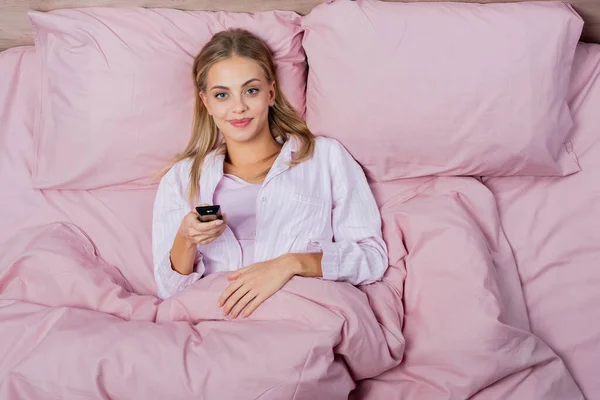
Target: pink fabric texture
<point x="465" y="321"/>
<point x="120" y="221"/>
<point x="19" y="98"/>
<point x="83" y="316"/>
<point x="117" y="91"/>
<point x="553" y="226"/>
<point x="417" y="89"/>
<point x="91" y="311"/>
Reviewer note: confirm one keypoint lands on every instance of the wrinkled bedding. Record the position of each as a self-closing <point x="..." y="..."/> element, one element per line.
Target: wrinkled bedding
<point x="313" y="338"/>
<point x="79" y="317"/>
<point x="466" y="326"/>
<point x="553" y="226"/>
<point x="89" y="335"/>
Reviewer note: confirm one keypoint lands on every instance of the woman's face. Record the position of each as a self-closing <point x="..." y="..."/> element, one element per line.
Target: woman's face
<point x="238" y="97"/>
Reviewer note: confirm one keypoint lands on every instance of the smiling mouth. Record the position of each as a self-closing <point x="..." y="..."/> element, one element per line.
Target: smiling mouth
<point x="240" y="123"/>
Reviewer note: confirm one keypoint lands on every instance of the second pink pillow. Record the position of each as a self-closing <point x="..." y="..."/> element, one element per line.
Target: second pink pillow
<point x="417" y="89"/>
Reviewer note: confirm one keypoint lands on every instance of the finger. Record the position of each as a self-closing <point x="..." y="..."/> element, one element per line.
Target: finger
<point x="206" y="226"/>
<point x="204" y="235"/>
<point x="207" y="229"/>
<point x="253" y="306"/>
<point x="237" y="273"/>
<point x="206" y="241"/>
<point x="200" y="237"/>
<point x="222" y="229"/>
<point x="229" y="291"/>
<point x="204" y="238"/>
<point x="235" y="298"/>
<point x="224" y="225"/>
<point x="243" y="302"/>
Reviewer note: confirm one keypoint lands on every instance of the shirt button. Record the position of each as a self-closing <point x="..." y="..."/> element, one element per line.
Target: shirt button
<point x="263" y="199"/>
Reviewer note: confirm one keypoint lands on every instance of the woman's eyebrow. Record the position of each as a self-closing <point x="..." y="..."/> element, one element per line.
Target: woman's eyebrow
<point x="226" y="88"/>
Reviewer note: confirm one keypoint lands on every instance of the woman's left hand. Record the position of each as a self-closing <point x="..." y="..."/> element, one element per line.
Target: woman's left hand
<point x="254" y="284"/>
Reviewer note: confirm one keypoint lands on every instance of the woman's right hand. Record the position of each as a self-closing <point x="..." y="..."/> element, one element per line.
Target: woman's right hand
<point x="194" y="231"/>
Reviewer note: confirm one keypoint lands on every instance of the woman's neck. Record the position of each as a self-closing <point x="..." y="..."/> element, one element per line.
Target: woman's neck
<point x="241" y="155"/>
<point x="252" y="161"/>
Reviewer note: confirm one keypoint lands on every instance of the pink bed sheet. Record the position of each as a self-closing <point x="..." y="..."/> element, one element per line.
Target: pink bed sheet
<point x="553" y="226"/>
<point x="110" y="217"/>
<point x="78" y="314"/>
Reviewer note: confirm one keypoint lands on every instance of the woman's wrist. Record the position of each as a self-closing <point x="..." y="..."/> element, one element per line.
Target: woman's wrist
<point x="182" y="255"/>
<point x="184" y="241"/>
<point x="304" y="264"/>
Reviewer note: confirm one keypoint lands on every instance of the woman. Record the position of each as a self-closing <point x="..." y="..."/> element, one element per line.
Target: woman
<point x="293" y="204"/>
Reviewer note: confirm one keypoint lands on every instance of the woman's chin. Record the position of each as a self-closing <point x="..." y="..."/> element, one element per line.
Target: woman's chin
<point x="241" y="135"/>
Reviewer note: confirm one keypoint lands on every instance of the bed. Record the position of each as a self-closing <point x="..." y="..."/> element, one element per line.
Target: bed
<point x="494" y="280"/>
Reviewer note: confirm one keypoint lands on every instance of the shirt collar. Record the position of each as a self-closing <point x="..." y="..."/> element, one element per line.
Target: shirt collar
<point x="212" y="168"/>
<point x="214" y="160"/>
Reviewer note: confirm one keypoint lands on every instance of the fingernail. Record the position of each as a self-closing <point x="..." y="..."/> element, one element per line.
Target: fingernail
<point x="219" y="222"/>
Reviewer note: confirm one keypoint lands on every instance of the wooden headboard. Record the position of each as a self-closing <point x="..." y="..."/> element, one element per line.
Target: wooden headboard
<point x="15" y="29"/>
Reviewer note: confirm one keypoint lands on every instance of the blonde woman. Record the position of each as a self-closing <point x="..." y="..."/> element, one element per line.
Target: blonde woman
<point x="293" y="204"/>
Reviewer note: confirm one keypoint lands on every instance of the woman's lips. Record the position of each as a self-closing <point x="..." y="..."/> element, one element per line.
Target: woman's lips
<point x="240" y="123"/>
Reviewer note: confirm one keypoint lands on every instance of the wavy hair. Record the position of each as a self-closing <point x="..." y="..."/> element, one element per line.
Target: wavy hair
<point x="284" y="121"/>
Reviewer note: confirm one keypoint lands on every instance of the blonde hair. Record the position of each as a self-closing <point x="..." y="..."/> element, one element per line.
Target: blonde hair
<point x="283" y="119"/>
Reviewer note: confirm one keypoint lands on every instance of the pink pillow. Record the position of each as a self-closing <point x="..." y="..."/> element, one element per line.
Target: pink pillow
<point x="416" y="89"/>
<point x="117" y="92"/>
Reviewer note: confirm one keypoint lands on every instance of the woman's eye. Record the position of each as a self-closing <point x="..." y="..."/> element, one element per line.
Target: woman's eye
<point x="220" y="96"/>
<point x="252" y="91"/>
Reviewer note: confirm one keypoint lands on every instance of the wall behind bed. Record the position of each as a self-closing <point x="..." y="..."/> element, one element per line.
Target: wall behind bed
<point x="15" y="29"/>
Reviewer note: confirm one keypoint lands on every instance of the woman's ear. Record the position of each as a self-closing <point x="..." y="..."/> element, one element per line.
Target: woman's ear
<point x="272" y="94"/>
<point x="205" y="102"/>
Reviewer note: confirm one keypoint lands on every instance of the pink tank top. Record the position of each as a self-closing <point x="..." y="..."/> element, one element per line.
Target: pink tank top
<point x="237" y="199"/>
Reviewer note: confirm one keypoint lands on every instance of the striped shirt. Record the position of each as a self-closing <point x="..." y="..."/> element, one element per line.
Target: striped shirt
<point x="323" y="204"/>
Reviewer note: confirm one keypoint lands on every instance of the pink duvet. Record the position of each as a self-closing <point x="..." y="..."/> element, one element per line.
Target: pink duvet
<point x="89" y="335"/>
<point x="79" y="317"/>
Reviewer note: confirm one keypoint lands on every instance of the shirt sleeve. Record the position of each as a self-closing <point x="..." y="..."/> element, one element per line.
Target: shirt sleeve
<point x="358" y="253"/>
<point x="170" y="206"/>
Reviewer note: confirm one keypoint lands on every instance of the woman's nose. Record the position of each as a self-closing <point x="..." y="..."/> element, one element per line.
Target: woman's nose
<point x="239" y="106"/>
